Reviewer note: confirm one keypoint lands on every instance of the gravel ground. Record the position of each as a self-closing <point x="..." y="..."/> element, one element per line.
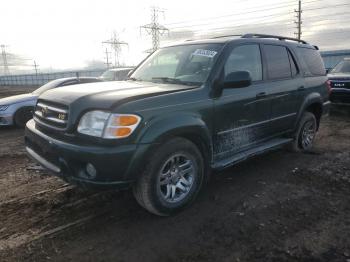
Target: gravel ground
<point x="281" y="206"/>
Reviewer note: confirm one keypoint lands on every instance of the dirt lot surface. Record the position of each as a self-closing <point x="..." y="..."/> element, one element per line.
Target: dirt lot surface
<point x="277" y="207"/>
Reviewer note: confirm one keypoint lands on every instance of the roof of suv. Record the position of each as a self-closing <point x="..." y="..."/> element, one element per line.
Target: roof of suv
<point x="251" y="38"/>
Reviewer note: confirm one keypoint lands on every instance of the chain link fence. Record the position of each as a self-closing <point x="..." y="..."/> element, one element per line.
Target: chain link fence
<point x="43" y="78"/>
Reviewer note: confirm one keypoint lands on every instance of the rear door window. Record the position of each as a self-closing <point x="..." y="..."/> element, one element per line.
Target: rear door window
<point x="277" y="59"/>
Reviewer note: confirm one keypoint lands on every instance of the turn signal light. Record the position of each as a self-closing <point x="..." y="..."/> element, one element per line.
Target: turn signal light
<point x="122" y="132"/>
<point x="126" y="120"/>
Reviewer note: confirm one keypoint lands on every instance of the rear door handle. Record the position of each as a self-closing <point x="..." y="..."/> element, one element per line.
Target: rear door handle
<point x="261" y="95"/>
<point x="301" y="88"/>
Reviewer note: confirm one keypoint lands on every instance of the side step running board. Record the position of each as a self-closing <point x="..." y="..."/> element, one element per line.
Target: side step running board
<point x="260" y="149"/>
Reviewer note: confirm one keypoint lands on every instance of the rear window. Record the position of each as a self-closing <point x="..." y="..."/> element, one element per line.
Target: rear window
<point x="311" y="61"/>
<point x="278" y="66"/>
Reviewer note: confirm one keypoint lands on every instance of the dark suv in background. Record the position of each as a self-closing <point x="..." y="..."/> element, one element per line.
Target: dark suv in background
<point x="339" y="78"/>
<point x="186" y="110"/>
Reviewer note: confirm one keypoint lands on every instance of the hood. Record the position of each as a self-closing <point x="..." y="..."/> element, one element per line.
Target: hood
<point x="17" y="99"/>
<point x="107" y="94"/>
<point x="339" y="76"/>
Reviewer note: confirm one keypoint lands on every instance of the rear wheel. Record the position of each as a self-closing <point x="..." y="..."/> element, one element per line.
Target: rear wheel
<point x="172" y="179"/>
<point x="23" y="115"/>
<point x="306" y="133"/>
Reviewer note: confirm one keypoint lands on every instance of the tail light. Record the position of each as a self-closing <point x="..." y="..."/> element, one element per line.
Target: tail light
<point x="329" y="87"/>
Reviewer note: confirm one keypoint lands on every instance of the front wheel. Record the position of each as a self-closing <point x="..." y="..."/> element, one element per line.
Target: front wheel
<point x="172" y="179"/>
<point x="306" y="133"/>
<point x="23" y="115"/>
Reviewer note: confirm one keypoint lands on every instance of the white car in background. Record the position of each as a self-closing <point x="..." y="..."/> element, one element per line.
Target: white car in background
<point x="116" y="74"/>
<point x="18" y="109"/>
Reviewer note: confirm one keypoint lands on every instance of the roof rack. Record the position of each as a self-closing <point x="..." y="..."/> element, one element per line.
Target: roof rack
<point x="223" y="36"/>
<point x="282" y="38"/>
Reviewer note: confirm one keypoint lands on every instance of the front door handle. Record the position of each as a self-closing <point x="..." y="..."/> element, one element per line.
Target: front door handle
<point x="261" y="95"/>
<point x="301" y="88"/>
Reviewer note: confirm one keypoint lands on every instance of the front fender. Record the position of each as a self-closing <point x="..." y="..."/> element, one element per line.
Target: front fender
<point x="171" y="125"/>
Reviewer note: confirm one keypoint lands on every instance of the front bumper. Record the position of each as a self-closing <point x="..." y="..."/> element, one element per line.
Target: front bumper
<point x="115" y="166"/>
<point x="340" y="96"/>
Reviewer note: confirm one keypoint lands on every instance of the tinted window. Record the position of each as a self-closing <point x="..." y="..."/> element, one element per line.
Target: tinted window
<point x="278" y="66"/>
<point x="312" y="61"/>
<point x="245" y="58"/>
<point x="342" y="67"/>
<point x="293" y="66"/>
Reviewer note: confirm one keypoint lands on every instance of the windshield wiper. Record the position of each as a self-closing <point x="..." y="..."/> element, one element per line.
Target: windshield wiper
<point x="134" y="79"/>
<point x="175" y="81"/>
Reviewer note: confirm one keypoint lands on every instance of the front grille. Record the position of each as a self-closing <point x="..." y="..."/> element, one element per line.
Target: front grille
<point x="340" y="84"/>
<point x="51" y="114"/>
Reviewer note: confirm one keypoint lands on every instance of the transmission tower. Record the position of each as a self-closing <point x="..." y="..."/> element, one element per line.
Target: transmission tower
<point x="4" y="60"/>
<point x="107" y="63"/>
<point x="154" y="28"/>
<point x="36" y="66"/>
<point x="116" y="45"/>
<point x="298" y="21"/>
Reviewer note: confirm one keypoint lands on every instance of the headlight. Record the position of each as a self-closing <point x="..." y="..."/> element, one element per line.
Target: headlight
<point x="107" y="125"/>
<point x="4" y="107"/>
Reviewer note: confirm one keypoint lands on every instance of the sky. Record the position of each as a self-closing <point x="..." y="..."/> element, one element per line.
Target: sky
<point x="68" y="34"/>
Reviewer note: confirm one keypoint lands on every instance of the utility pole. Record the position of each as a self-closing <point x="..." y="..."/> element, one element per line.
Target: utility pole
<point x="107" y="63"/>
<point x="35" y="65"/>
<point x="4" y="60"/>
<point x="116" y="45"/>
<point x="298" y="22"/>
<point x="154" y="28"/>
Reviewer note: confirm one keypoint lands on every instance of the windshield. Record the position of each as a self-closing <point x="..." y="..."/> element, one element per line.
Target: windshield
<point x="187" y="64"/>
<point x="342" y="67"/>
<point x="47" y="86"/>
<point x="108" y="75"/>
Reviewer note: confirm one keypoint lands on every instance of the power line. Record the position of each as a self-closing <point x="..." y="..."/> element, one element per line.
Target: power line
<point x="231" y="14"/>
<point x="154" y="28"/>
<point x="251" y="20"/>
<point x="324" y="7"/>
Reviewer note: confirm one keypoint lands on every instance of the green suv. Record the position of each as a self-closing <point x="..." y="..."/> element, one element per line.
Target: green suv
<point x="186" y="110"/>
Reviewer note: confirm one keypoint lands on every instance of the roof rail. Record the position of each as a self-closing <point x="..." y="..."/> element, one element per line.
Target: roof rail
<point x="223" y="36"/>
<point x="282" y="38"/>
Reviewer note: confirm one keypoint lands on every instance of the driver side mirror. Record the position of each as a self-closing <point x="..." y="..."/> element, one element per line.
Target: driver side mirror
<point x="237" y="79"/>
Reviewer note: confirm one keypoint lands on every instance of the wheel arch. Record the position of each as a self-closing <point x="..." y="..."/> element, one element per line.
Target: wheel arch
<point x="188" y="127"/>
<point x="313" y="104"/>
<point x="18" y="110"/>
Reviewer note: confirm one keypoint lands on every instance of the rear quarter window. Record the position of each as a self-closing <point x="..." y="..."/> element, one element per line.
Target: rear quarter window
<point x="311" y="61"/>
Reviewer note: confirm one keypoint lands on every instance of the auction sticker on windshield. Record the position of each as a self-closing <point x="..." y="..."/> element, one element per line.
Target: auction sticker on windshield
<point x="203" y="52"/>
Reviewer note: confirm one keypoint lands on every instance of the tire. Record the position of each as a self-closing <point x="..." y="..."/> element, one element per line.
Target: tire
<point x="22" y="116"/>
<point x="154" y="188"/>
<point x="306" y="130"/>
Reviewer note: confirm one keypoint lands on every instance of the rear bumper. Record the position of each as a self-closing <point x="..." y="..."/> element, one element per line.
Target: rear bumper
<point x="115" y="166"/>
